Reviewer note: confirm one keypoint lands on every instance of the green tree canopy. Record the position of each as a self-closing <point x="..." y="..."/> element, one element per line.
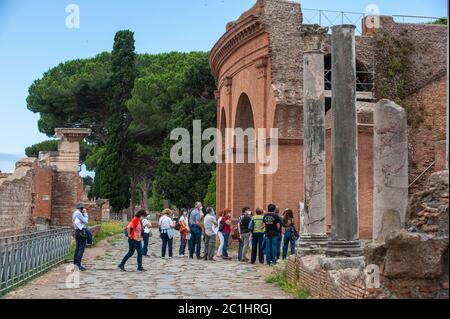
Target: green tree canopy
<point x="210" y="197"/>
<point x="112" y="170"/>
<point x="74" y="93"/>
<point x="183" y="184"/>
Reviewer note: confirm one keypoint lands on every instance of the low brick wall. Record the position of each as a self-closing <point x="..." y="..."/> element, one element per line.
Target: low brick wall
<point x="334" y="284"/>
<point x="95" y="229"/>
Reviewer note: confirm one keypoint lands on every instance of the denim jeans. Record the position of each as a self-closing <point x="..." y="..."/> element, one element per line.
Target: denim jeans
<point x="257" y="247"/>
<point x="166" y="241"/>
<point x="79" y="249"/>
<point x="278" y="248"/>
<point x="210" y="246"/>
<point x="245" y="245"/>
<point x="271" y="249"/>
<point x="196" y="240"/>
<point x="286" y="241"/>
<point x="225" y="244"/>
<point x="240" y="246"/>
<point x="133" y="245"/>
<point x="145" y="239"/>
<point x="182" y="245"/>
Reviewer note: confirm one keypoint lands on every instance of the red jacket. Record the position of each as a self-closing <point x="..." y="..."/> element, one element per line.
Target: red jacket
<point x="135" y="229"/>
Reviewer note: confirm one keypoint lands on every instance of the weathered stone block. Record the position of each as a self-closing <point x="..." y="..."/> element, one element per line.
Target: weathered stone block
<point x="390" y="175"/>
<point x="414" y="255"/>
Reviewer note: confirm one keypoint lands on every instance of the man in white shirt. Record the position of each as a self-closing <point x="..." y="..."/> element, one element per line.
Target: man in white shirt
<point x="80" y="220"/>
<point x="146" y="235"/>
<point x="210" y="235"/>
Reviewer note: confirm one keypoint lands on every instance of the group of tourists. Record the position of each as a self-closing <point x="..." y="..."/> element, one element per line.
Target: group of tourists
<point x="267" y="236"/>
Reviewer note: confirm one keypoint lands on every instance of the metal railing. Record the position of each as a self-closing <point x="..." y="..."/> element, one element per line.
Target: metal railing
<point x="414" y="19"/>
<point x="364" y="80"/>
<point x="25" y="256"/>
<point x="329" y="18"/>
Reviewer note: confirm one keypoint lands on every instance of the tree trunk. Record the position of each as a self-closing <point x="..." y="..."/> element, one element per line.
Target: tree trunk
<point x="145" y="186"/>
<point x="133" y="186"/>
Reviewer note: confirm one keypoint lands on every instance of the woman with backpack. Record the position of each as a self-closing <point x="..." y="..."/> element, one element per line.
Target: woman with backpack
<point x="289" y="232"/>
<point x="220" y="234"/>
<point x="183" y="228"/>
<point x="225" y="223"/>
<point x="166" y="226"/>
<point x="134" y="232"/>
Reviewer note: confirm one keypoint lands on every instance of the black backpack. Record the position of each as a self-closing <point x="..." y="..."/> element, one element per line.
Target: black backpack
<point x="221" y="226"/>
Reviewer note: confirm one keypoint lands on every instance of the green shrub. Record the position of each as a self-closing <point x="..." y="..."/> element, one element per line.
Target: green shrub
<point x="279" y="277"/>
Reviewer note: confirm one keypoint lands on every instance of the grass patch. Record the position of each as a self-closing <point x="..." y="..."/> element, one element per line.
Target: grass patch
<point x="279" y="277"/>
<point x="108" y="229"/>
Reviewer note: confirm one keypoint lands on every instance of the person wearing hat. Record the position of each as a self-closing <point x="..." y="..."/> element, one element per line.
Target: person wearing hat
<point x="134" y="234"/>
<point x="80" y="220"/>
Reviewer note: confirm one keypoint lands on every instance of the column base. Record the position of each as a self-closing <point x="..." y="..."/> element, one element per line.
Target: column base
<point x="312" y="244"/>
<point x="338" y="263"/>
<point x="341" y="248"/>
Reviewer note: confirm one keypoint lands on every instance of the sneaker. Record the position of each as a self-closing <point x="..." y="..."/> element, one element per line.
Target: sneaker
<point x="199" y="257"/>
<point x="81" y="268"/>
<point x="122" y="268"/>
<point x="181" y="256"/>
<point x="142" y="269"/>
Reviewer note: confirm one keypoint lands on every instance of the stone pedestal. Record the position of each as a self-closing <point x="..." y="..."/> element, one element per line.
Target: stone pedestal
<point x="344" y="155"/>
<point x="66" y="179"/>
<point x="313" y="236"/>
<point x="390" y="167"/>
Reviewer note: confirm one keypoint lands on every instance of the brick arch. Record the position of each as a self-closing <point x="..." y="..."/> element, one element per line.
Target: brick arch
<point x="244" y="173"/>
<point x="244" y="113"/>
<point x="222" y="126"/>
<point x="221" y="167"/>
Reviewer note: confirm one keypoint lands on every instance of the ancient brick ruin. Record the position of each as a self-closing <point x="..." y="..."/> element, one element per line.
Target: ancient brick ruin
<point x="258" y="63"/>
<point x="44" y="191"/>
<point x="264" y="64"/>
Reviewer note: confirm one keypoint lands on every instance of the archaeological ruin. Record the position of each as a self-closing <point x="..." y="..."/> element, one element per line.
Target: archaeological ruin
<point x="372" y="174"/>
<point x="44" y="191"/>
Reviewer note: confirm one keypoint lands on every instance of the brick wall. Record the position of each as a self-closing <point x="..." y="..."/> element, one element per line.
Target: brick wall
<point x="343" y="284"/>
<point x="16" y="198"/>
<point x="65" y="198"/>
<point x="422" y="140"/>
<point x="42" y="189"/>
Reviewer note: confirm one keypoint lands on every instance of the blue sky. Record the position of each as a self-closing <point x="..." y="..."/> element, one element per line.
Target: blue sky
<point x="34" y="38"/>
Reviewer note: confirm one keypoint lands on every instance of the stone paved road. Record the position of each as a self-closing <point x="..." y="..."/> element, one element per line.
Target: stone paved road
<point x="179" y="278"/>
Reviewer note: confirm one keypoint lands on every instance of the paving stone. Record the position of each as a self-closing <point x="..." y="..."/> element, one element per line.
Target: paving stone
<point x="177" y="278"/>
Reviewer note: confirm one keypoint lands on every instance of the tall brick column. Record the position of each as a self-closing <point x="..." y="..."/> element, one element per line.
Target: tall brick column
<point x="344" y="155"/>
<point x="66" y="178"/>
<point x="313" y="237"/>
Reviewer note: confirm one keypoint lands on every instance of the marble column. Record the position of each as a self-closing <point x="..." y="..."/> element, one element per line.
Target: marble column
<point x="313" y="237"/>
<point x="344" y="154"/>
<point x="390" y="168"/>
